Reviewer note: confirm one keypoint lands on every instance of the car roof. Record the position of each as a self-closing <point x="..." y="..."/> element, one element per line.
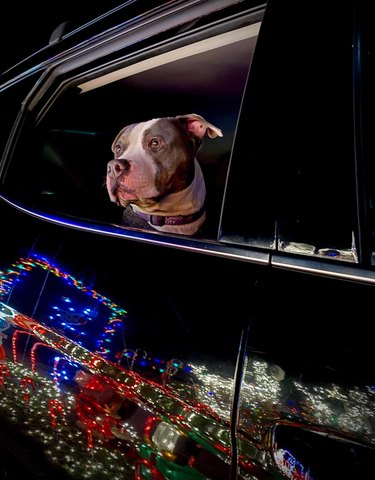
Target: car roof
<point x="72" y="24"/>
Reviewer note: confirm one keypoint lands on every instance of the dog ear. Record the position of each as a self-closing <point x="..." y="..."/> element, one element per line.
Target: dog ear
<point x="198" y="126"/>
<point x="118" y="136"/>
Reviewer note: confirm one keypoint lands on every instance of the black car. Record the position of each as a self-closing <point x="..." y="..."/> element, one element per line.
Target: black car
<point x="243" y="351"/>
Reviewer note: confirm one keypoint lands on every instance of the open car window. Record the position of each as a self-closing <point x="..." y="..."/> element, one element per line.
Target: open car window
<point x="70" y="144"/>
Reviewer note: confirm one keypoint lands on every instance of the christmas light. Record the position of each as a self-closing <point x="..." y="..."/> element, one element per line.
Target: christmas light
<point x="50" y="407"/>
<point x="69" y="321"/>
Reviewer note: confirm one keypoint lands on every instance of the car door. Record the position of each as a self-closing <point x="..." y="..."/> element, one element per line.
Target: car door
<point x="307" y="394"/>
<point x="122" y="343"/>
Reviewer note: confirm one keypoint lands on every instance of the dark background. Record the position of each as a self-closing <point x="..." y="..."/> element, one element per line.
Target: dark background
<point x="26" y="27"/>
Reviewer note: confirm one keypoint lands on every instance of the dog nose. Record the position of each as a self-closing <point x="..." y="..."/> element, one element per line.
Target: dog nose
<point x="117" y="167"/>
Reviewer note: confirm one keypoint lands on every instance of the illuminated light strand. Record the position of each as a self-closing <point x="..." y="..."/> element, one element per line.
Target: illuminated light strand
<point x="55" y="410"/>
<point x="151" y="465"/>
<point x="33" y="353"/>
<point x="98" y="444"/>
<point x="171" y="369"/>
<point x="66" y="444"/>
<point x="28" y="265"/>
<point x="28" y="385"/>
<point x="273" y="394"/>
<point x="22" y="266"/>
<point x="133" y="354"/>
<point x="15" y="335"/>
<point x="56" y="363"/>
<point x="46" y="265"/>
<point x="4" y="372"/>
<point x="102" y="423"/>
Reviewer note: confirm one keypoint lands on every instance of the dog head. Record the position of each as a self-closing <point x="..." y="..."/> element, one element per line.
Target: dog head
<point x="155" y="165"/>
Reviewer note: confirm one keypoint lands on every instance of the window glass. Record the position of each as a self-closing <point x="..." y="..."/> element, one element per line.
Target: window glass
<point x="366" y="78"/>
<point x="292" y="172"/>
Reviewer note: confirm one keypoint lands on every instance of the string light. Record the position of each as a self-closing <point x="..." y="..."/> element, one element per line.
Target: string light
<point x="201" y="410"/>
<point x="24" y="267"/>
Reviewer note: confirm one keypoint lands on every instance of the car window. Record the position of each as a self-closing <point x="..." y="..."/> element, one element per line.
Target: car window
<point x="298" y="183"/>
<point x="366" y="152"/>
<point x="71" y="144"/>
<point x="11" y="97"/>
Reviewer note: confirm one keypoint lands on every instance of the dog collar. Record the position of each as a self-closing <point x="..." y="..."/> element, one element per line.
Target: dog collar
<point x="161" y="220"/>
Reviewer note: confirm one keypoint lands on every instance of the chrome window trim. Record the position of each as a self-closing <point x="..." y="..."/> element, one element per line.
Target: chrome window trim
<point x="201" y="246"/>
<point x="330" y="268"/>
<point x="109" y="46"/>
<point x="170" y="15"/>
<point x="53" y="72"/>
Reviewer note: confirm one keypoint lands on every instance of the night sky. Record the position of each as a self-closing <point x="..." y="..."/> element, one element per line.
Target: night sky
<point x="27" y="27"/>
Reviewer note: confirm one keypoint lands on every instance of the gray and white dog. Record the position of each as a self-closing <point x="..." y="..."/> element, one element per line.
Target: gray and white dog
<point x="155" y="174"/>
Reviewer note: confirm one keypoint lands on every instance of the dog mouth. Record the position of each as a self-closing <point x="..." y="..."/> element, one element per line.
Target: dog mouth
<point x="125" y="195"/>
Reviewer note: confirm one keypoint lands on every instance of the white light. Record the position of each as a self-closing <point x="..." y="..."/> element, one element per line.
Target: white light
<point x="168" y="57"/>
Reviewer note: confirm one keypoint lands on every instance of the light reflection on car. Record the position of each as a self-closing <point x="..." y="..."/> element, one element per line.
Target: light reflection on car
<point x="153" y="415"/>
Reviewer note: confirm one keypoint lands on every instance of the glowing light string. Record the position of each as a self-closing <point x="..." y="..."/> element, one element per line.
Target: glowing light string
<point x="33" y="353"/>
<point x="15" y="335"/>
<point x="24" y="266"/>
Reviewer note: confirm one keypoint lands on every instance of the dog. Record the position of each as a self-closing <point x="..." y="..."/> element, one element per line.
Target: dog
<point x="155" y="174"/>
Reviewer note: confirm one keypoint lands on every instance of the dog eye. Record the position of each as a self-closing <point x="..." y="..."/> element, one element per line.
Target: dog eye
<point x="155" y="143"/>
